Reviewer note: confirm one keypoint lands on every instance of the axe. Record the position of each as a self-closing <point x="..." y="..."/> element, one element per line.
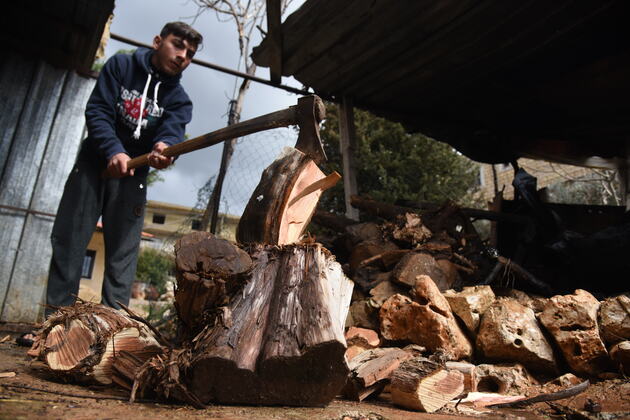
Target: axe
<point x="307" y="115"/>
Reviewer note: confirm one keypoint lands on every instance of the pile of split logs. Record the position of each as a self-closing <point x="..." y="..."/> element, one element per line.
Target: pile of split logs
<point x="416" y="329"/>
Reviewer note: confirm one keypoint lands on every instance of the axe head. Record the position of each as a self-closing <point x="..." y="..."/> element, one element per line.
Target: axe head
<point x="310" y="111"/>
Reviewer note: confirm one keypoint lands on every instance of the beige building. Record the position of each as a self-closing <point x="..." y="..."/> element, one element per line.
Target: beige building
<point x="168" y="222"/>
<point x="547" y="173"/>
<point x="164" y="223"/>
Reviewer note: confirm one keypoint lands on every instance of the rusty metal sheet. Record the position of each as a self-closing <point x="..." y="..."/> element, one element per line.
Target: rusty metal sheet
<point x="28" y="284"/>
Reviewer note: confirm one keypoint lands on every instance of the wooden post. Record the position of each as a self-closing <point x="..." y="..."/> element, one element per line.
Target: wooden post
<point x="624" y="178"/>
<point x="274" y="33"/>
<point x="347" y="146"/>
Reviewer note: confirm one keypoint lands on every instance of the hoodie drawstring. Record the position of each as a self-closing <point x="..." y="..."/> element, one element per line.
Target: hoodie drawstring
<point x="155" y="93"/>
<point x="143" y="100"/>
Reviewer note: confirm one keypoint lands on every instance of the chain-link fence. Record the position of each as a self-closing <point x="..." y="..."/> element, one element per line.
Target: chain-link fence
<point x="252" y="154"/>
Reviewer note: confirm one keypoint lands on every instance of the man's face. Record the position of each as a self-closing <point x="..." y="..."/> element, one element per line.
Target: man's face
<point x="172" y="54"/>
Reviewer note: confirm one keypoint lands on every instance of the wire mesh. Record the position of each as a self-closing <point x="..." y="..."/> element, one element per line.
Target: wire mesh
<point x="252" y="154"/>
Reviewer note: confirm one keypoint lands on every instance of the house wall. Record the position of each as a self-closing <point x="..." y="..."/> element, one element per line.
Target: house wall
<point x="90" y="288"/>
<point x="41" y="126"/>
<point x="547" y="174"/>
<point x="178" y="222"/>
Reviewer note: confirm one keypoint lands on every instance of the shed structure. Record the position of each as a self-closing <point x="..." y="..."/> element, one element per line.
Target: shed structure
<point x="496" y="79"/>
<point x="44" y="86"/>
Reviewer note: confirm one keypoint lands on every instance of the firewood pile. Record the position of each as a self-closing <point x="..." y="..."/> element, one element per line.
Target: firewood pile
<point x="421" y="325"/>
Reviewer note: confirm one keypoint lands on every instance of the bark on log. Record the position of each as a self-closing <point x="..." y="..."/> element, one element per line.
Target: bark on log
<point x="425" y="385"/>
<point x="278" y="340"/>
<point x="83" y="341"/>
<point x="284" y="200"/>
<point x="281" y="340"/>
<point x="208" y="271"/>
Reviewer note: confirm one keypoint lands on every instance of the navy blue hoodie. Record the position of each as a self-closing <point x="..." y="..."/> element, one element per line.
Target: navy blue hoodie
<point x="114" y="106"/>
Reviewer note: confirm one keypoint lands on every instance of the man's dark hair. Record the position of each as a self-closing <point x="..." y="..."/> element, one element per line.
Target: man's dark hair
<point x="183" y="30"/>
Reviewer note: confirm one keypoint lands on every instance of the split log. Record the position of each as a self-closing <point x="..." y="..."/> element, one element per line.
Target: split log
<point x="208" y="271"/>
<point x="370" y="371"/>
<point x="425" y="385"/>
<point x="468" y="370"/>
<point x="278" y="340"/>
<point x="84" y="341"/>
<point x="284" y="200"/>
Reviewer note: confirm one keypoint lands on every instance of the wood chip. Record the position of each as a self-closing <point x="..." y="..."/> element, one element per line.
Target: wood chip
<point x="7" y="374"/>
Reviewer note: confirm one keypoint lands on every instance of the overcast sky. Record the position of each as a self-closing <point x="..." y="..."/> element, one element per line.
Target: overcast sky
<point x="210" y="91"/>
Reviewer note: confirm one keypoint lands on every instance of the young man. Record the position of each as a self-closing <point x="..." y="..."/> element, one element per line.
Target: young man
<point x="137" y="106"/>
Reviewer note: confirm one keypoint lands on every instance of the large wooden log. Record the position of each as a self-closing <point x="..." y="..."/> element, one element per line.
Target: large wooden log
<point x="284" y="200"/>
<point x="281" y="340"/>
<point x="278" y="339"/>
<point x="83" y="341"/>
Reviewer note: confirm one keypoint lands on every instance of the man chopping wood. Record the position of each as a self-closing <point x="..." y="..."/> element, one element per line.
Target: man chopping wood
<point x="138" y="106"/>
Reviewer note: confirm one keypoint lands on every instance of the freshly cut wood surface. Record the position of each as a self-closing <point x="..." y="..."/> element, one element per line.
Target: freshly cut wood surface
<point x="83" y="341"/>
<point x="284" y="200"/>
<point x="66" y="347"/>
<point x="425" y="385"/>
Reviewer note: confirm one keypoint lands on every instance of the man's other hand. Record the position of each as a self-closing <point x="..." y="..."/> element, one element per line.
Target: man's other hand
<point x="117" y="166"/>
<point x="156" y="159"/>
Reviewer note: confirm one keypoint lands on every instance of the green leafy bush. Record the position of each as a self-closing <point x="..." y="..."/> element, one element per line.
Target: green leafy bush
<point x="154" y="267"/>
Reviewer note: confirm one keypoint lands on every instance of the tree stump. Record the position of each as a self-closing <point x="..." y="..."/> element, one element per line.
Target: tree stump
<point x="276" y="339"/>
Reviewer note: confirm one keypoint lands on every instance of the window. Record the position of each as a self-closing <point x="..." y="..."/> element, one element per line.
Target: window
<point x="88" y="264"/>
<point x="159" y="219"/>
<point x="195" y="224"/>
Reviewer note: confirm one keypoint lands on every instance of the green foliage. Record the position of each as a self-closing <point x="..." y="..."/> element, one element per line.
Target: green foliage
<point x="154" y="176"/>
<point x="154" y="267"/>
<point x="393" y="165"/>
<point x="600" y="187"/>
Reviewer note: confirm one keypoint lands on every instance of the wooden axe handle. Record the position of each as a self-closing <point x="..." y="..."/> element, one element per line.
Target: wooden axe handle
<point x="283" y="118"/>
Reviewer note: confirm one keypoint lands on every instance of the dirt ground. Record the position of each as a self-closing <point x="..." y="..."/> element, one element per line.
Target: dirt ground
<point x="33" y="393"/>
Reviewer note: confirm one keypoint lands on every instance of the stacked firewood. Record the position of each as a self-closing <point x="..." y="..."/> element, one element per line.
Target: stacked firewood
<point x="416" y="330"/>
